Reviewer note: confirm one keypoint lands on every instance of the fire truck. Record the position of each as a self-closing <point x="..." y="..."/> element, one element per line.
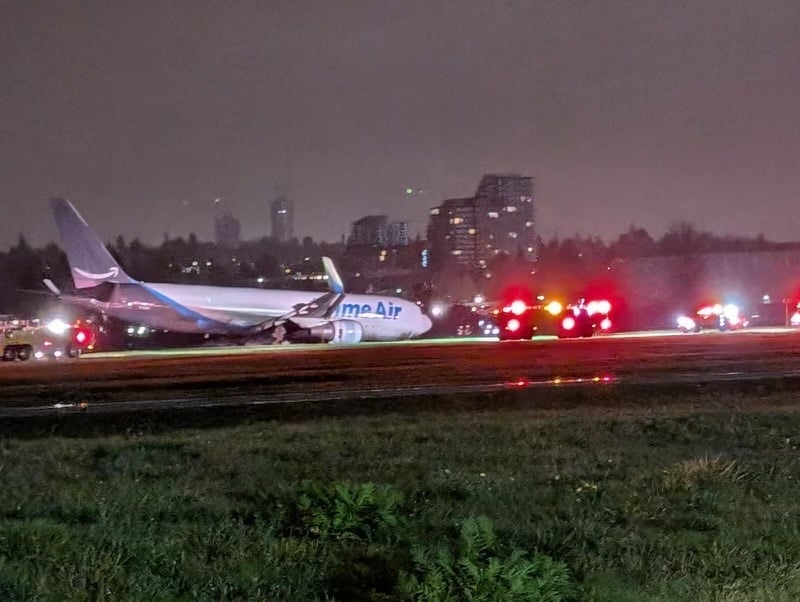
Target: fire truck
<point x="521" y="320"/>
<point x="55" y="340"/>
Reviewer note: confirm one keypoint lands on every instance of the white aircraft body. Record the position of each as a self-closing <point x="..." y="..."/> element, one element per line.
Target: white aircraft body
<point x="242" y="313"/>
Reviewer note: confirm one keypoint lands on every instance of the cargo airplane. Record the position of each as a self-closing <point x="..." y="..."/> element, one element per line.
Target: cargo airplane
<point x="242" y="314"/>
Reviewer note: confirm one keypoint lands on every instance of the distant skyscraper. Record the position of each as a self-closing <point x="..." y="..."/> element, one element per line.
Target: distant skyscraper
<point x="368" y="231"/>
<point x="397" y="234"/>
<point x="507" y="200"/>
<point x="378" y="231"/>
<point x="282" y="217"/>
<point x="499" y="219"/>
<point x="227" y="231"/>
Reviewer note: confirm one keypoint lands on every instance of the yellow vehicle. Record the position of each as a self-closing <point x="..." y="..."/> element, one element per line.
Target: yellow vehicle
<point x="53" y="341"/>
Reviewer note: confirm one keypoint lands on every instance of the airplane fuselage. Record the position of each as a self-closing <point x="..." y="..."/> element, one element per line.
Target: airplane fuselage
<point x="233" y="310"/>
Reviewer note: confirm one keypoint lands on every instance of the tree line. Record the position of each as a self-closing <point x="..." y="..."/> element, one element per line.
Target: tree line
<point x="189" y="260"/>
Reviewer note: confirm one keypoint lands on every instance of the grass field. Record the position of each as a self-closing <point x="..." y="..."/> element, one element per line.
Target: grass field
<point x="648" y="502"/>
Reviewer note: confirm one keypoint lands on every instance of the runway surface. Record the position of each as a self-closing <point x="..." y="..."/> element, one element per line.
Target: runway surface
<point x="208" y="377"/>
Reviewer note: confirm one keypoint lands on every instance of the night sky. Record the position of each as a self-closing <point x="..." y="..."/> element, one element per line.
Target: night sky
<point x="626" y="113"/>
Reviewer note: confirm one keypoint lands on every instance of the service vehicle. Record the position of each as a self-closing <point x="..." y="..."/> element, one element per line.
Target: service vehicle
<point x="55" y="340"/>
<point x="716" y="317"/>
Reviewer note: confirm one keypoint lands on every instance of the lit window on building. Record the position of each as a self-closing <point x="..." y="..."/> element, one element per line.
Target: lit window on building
<point x="510" y="209"/>
<point x="529" y="224"/>
<point x="472" y="230"/>
<point x="435" y="211"/>
<point x="494" y="214"/>
<point x="457" y="251"/>
<point x="512" y="234"/>
<point x="456" y="220"/>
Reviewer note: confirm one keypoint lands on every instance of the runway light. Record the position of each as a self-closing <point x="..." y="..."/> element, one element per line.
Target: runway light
<point x="38" y="355"/>
<point x="437" y="311"/>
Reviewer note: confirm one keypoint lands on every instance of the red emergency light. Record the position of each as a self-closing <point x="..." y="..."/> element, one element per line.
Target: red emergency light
<point x="82" y="337"/>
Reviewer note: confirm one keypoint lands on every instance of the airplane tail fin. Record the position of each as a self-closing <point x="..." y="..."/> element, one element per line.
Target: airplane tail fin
<point x="89" y="260"/>
<point x="335" y="283"/>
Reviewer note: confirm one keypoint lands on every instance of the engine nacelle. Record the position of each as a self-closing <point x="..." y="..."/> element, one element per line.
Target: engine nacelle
<point x="338" y="331"/>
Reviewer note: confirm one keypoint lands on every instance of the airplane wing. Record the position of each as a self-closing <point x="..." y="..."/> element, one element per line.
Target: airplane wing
<point x="320" y="308"/>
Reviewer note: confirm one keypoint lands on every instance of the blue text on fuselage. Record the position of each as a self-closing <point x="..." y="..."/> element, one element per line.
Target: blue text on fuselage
<point x="386" y="311"/>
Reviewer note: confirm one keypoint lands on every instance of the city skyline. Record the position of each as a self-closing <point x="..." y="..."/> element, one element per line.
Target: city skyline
<point x="645" y="113"/>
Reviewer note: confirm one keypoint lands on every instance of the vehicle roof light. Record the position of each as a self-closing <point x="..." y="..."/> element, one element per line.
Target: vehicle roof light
<point x="518" y="307"/>
<point x="554" y="308"/>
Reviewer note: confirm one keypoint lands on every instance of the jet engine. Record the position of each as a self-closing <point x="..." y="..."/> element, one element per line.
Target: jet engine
<point x="338" y="331"/>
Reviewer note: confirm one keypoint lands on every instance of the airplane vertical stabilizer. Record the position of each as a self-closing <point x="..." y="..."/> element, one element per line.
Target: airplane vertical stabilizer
<point x="335" y="283"/>
<point x="89" y="260"/>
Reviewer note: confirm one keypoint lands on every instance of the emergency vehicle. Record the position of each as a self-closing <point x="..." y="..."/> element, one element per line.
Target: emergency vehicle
<point x="521" y="320"/>
<point x="717" y="316"/>
<point x="55" y="340"/>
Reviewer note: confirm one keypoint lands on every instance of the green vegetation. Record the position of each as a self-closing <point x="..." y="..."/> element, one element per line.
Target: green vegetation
<point x="587" y="504"/>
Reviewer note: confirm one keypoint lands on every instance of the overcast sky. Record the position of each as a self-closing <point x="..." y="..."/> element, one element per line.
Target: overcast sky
<point x="625" y="113"/>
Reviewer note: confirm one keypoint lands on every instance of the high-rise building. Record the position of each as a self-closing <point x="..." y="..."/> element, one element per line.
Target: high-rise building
<point x="499" y="219"/>
<point x="227" y="231"/>
<point x="453" y="232"/>
<point x="375" y="241"/>
<point x="370" y="230"/>
<point x="397" y="234"/>
<point x="507" y="200"/>
<point x="282" y="218"/>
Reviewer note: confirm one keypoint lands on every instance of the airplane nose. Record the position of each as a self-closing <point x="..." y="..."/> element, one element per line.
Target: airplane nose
<point x="426" y="323"/>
